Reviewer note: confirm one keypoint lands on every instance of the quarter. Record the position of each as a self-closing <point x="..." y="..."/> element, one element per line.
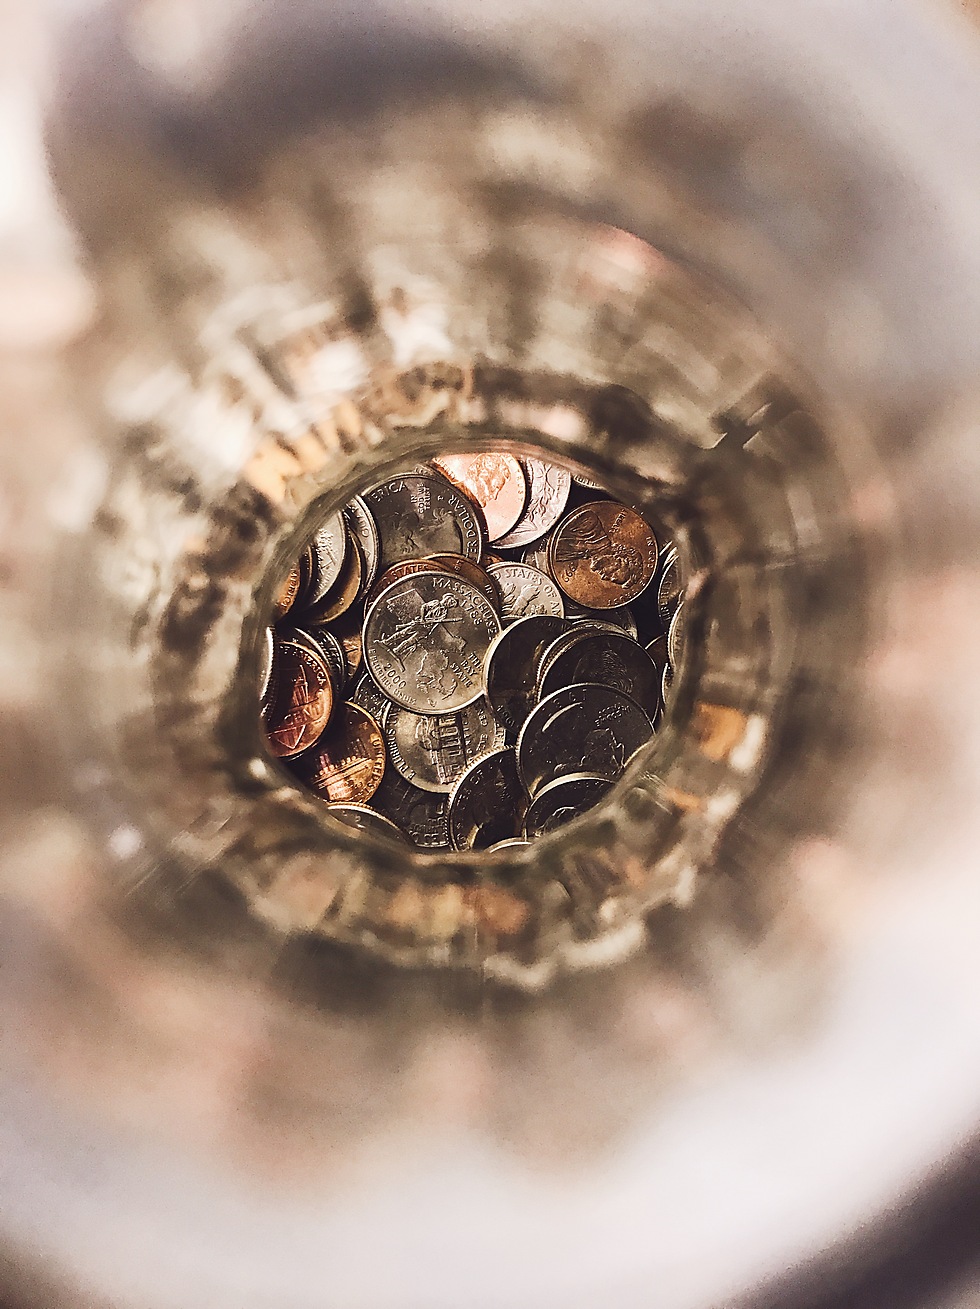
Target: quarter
<point x="423" y="515"/>
<point x="432" y="751"/>
<point x="580" y="729"/>
<point x="510" y="667"/>
<point x="487" y="805"/>
<point x="610" y="658"/>
<point x="329" y="546"/>
<point x="563" y="800"/>
<point x="365" y="819"/>
<point x="525" y="591"/>
<point x="422" y="815"/>
<point x="547" y="495"/>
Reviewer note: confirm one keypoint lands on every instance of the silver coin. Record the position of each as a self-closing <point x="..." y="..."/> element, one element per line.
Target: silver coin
<point x="537" y="555"/>
<point x="610" y="659"/>
<point x="425" y="640"/>
<point x="563" y="800"/>
<point x="362" y="527"/>
<point x="267" y="658"/>
<point x="675" y="636"/>
<point x="580" y="729"/>
<point x="511" y="664"/>
<point x="333" y="655"/>
<point x="512" y="843"/>
<point x="669" y="587"/>
<point x="368" y="820"/>
<point x="487" y="805"/>
<point x="368" y="695"/>
<point x="573" y="633"/>
<point x="547" y="495"/>
<point x="423" y="515"/>
<point x="525" y="591"/>
<point x="621" y="617"/>
<point x="588" y="482"/>
<point x="422" y="815"/>
<point x="432" y="751"/>
<point x="329" y="546"/>
<point x="666" y="684"/>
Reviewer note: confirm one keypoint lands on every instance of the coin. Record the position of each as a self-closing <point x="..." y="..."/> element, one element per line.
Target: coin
<point x="362" y="527"/>
<point x="347" y="630"/>
<point x="422" y="815"/>
<point x="537" y="555"/>
<point x="471" y="572"/>
<point x="487" y="804"/>
<point x="610" y="658"/>
<point x="419" y="516"/>
<point x="432" y="751"/>
<point x="511" y="843"/>
<point x="369" y="696"/>
<point x="525" y="591"/>
<point x="669" y="587"/>
<point x="347" y="764"/>
<point x="562" y="800"/>
<point x="510" y="667"/>
<point x="675" y="636"/>
<point x="547" y="495"/>
<point x="621" y="617"/>
<point x="301" y="701"/>
<point x="333" y="655"/>
<point x="406" y="568"/>
<point x="667" y="683"/>
<point x="365" y="819"/>
<point x="287" y="593"/>
<point x="267" y="659"/>
<point x="425" y="639"/>
<point x="493" y="481"/>
<point x="603" y="555"/>
<point x="329" y="548"/>
<point x="344" y="591"/>
<point x="580" y="729"/>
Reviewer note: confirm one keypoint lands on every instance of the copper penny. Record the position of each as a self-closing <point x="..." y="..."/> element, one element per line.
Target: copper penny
<point x="603" y="555"/>
<point x="493" y="481"/>
<point x="288" y="592"/>
<point x="349" y="760"/>
<point x="302" y="699"/>
<point x="345" y="590"/>
<point x="471" y="572"/>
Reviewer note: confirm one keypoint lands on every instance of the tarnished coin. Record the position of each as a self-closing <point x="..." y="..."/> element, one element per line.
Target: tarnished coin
<point x="367" y="820"/>
<point x="344" y="592"/>
<point x="537" y="555"/>
<point x="495" y="482"/>
<point x="487" y="805"/>
<point x="510" y="667"/>
<point x="362" y="527"/>
<point x="675" y="636"/>
<point x="432" y="751"/>
<point x="471" y="572"/>
<point x="333" y="655"/>
<point x="610" y="658"/>
<point x="348" y="761"/>
<point x="525" y="591"/>
<point x="348" y="631"/>
<point x="622" y="617"/>
<point x="287" y="593"/>
<point x="301" y="700"/>
<point x="370" y="696"/>
<point x="422" y="815"/>
<point x="669" y="587"/>
<point x="547" y="495"/>
<point x="329" y="547"/>
<point x="267" y="659"/>
<point x="603" y="555"/>
<point x="580" y="729"/>
<point x="562" y="800"/>
<point x="419" y="516"/>
<point x="657" y="650"/>
<point x="425" y="639"/>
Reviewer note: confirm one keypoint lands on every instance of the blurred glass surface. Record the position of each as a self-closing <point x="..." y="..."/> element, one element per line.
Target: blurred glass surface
<point x="286" y="243"/>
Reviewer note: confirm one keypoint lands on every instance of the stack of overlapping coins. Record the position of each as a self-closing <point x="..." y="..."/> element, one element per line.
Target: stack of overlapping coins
<point x="469" y="654"/>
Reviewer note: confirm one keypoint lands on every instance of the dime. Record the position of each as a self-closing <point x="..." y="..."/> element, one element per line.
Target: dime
<point x="432" y="751"/>
<point x="302" y="699"/>
<point x="267" y="660"/>
<point x="418" y="516"/>
<point x="471" y="572"/>
<point x="422" y="815"/>
<point x="487" y="805"/>
<point x="525" y="591"/>
<point x="329" y="548"/>
<point x="333" y="655"/>
<point x="510" y="664"/>
<point x="603" y="555"/>
<point x="362" y="527"/>
<point x="547" y="494"/>
<point x="675" y="636"/>
<point x="494" y="481"/>
<point x="580" y="729"/>
<point x="562" y="800"/>
<point x="621" y="617"/>
<point x="610" y="658"/>
<point x="367" y="820"/>
<point x="369" y="696"/>
<point x="347" y="764"/>
<point x="669" y="587"/>
<point x="288" y="592"/>
<point x="344" y="592"/>
<point x="425" y="639"/>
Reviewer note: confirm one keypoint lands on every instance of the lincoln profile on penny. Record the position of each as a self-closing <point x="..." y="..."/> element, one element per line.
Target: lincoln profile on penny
<point x="588" y="542"/>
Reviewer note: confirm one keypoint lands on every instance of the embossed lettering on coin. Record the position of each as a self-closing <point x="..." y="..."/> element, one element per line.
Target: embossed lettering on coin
<point x="301" y="700"/>
<point x="348" y="761"/>
<point x="580" y="729"/>
<point x="547" y="495"/>
<point x="603" y="555"/>
<point x="493" y="481"/>
<point x="422" y="815"/>
<point x="418" y="516"/>
<point x="432" y="751"/>
<point x="288" y="592"/>
<point x="525" y="591"/>
<point x="608" y="657"/>
<point x="330" y="550"/>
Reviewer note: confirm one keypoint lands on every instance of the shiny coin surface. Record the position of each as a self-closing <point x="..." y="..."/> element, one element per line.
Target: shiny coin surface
<point x="603" y="555"/>
<point x="370" y="696"/>
<point x="367" y="820"/>
<point x="512" y="843"/>
<point x="343" y="593"/>
<point x="329" y="546"/>
<point x="580" y="729"/>
<point x="675" y="636"/>
<point x="362" y="527"/>
<point x="547" y="495"/>
<point x="487" y="805"/>
<point x="511" y="664"/>
<point x="495" y="482"/>
<point x="301" y="701"/>
<point x="422" y="815"/>
<point x="348" y="761"/>
<point x="562" y="800"/>
<point x="333" y="655"/>
<point x="406" y="568"/>
<point x="537" y="555"/>
<point x="669" y="587"/>
<point x="287" y="593"/>
<point x="425" y="639"/>
<point x="432" y="751"/>
<point x="525" y="591"/>
<point x="667" y="683"/>
<point x="621" y="617"/>
<point x="419" y="516"/>
<point x="610" y="658"/>
<point x="267" y="659"/>
<point x="471" y="572"/>
<point x="347" y="630"/>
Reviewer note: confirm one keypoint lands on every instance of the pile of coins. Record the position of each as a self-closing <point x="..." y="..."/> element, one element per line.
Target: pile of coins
<point x="469" y="653"/>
